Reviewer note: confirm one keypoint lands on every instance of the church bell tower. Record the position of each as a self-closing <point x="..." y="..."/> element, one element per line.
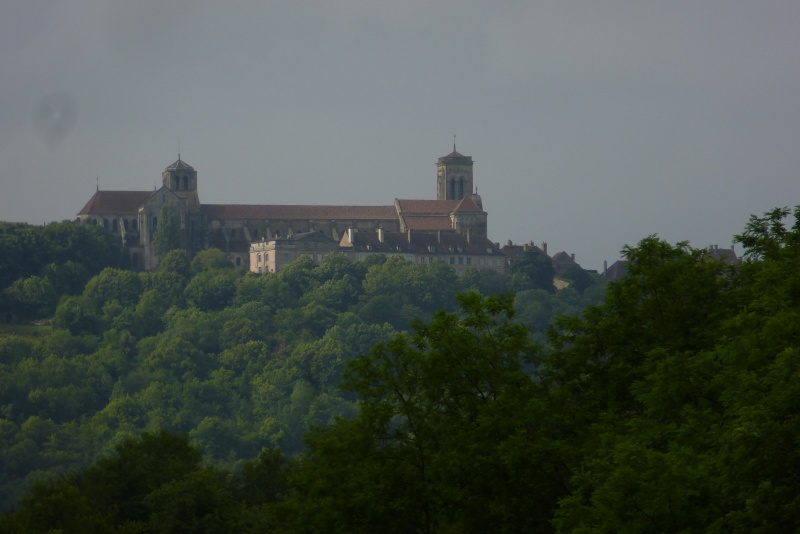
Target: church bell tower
<point x="454" y="176"/>
<point x="180" y="176"/>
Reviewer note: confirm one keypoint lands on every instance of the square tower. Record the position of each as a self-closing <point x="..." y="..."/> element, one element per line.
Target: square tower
<point x="454" y="176"/>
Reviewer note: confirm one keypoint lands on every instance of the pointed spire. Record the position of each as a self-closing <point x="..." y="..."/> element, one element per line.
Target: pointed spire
<point x="98" y="182"/>
<point x="454" y="142"/>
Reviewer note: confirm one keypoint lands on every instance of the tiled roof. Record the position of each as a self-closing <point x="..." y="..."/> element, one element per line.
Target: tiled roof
<point x="467" y="204"/>
<point x="617" y="270"/>
<point x="248" y="211"/>
<point x="562" y="257"/>
<point x="115" y="202"/>
<point x="179" y="165"/>
<point x="727" y="255"/>
<point x="315" y="236"/>
<point x="428" y="207"/>
<point x="454" y="154"/>
<point x="424" y="243"/>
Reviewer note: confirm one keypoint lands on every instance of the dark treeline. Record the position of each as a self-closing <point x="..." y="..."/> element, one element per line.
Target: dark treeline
<point x="237" y="363"/>
<point x="39" y="264"/>
<point x="672" y="406"/>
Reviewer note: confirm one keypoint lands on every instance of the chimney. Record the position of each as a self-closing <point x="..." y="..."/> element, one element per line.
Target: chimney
<point x="544" y="248"/>
<point x="572" y="256"/>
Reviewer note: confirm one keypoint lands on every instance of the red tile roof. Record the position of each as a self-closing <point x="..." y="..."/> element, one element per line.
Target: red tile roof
<point x="467" y="204"/>
<point x="431" y="207"/>
<point x="249" y="211"/>
<point x="115" y="202"/>
<point x="447" y="242"/>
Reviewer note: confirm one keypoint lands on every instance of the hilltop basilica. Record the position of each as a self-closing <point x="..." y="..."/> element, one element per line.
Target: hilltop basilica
<point x="263" y="238"/>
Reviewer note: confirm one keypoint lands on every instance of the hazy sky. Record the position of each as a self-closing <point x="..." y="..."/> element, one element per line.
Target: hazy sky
<point x="592" y="124"/>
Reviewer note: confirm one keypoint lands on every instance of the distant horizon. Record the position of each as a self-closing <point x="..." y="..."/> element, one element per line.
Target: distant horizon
<point x="592" y="125"/>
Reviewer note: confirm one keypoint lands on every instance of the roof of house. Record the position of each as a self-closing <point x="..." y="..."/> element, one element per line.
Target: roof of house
<point x="727" y="255"/>
<point x="563" y="258"/>
<point x="425" y="207"/>
<point x="246" y="211"/>
<point x="316" y="236"/>
<point x="447" y="242"/>
<point x="467" y="204"/>
<point x="617" y="270"/>
<point x="115" y="202"/>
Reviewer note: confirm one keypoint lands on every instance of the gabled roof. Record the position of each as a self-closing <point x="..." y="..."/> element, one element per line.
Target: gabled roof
<point x="467" y="204"/>
<point x="425" y="214"/>
<point x="444" y="243"/>
<point x="425" y="207"/>
<point x="455" y="155"/>
<point x="308" y="237"/>
<point x="617" y="270"/>
<point x="251" y="211"/>
<point x="562" y="261"/>
<point x="115" y="202"/>
<point x="727" y="255"/>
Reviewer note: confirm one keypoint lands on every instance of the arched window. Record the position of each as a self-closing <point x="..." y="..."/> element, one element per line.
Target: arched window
<point x="125" y="224"/>
<point x="155" y="223"/>
<point x="115" y="226"/>
<point x="461" y="188"/>
<point x="452" y="189"/>
<point x="238" y="261"/>
<point x="105" y="224"/>
<point x="134" y="224"/>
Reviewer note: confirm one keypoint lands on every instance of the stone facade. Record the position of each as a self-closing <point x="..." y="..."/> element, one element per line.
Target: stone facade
<point x="271" y="256"/>
<point x="233" y="228"/>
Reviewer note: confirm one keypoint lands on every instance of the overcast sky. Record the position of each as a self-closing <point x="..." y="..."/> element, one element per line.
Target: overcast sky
<point x="592" y="124"/>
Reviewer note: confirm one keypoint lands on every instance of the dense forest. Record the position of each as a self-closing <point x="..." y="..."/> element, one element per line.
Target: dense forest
<point x="347" y="397"/>
<point x="232" y="368"/>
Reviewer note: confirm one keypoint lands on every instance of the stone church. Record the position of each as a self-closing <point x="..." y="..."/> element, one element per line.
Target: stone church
<point x="457" y="213"/>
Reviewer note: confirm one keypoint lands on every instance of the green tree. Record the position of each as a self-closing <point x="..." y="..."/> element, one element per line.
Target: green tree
<point x="212" y="290"/>
<point x="114" y="284"/>
<point x="533" y="270"/>
<point x="79" y="315"/>
<point x="167" y="236"/>
<point x="33" y="297"/>
<point x="578" y="278"/>
<point x="432" y="447"/>
<point x="210" y="259"/>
